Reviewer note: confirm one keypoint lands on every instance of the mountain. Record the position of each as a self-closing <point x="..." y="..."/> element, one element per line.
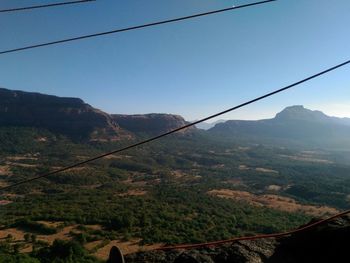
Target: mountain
<point x="78" y="120"/>
<point x="208" y="125"/>
<point x="294" y="125"/>
<point x="68" y="116"/>
<point x="326" y="243"/>
<point x="151" y="124"/>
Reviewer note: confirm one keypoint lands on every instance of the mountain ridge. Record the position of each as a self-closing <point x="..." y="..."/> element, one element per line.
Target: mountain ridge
<point x="293" y="125"/>
<point x="76" y="119"/>
<point x="151" y="123"/>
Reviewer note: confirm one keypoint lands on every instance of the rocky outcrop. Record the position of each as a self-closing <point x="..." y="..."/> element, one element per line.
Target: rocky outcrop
<point x="68" y="116"/>
<point x="152" y="124"/>
<point x="325" y="243"/>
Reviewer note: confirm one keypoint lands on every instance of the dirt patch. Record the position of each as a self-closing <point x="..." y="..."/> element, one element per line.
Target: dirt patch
<point x="3" y="183"/>
<point x="5" y="202"/>
<point x="273" y="187"/>
<point x="63" y="235"/>
<point x="21" y="158"/>
<point x="27" y="249"/>
<point x="127" y="247"/>
<point x="17" y="235"/>
<point x="5" y="170"/>
<point x="79" y="168"/>
<point x="94" y="227"/>
<point x="135" y="183"/>
<point x="118" y="157"/>
<point x="243" y="167"/>
<point x="218" y="166"/>
<point x="274" y="201"/>
<point x="306" y="158"/>
<point x="134" y="192"/>
<point x="25" y="165"/>
<point x="12" y="196"/>
<point x="265" y="170"/>
<point x="51" y="223"/>
<point x="178" y="173"/>
<point x="90" y="246"/>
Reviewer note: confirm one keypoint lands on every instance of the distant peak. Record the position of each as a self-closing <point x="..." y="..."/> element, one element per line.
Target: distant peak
<point x="295" y="107"/>
<point x="299" y="112"/>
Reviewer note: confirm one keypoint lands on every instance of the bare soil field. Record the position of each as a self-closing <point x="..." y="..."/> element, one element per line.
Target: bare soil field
<point x="306" y="158"/>
<point x="273" y="201"/>
<point x="265" y="170"/>
<point x="5" y="170"/>
<point x="134" y="192"/>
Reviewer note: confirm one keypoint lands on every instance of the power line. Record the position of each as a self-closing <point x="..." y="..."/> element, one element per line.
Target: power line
<point x="276" y="235"/>
<point x="134" y="27"/>
<point x="180" y="128"/>
<point x="44" y="6"/>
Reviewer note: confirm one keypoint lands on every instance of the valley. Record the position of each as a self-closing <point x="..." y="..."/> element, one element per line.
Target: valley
<point x="188" y="188"/>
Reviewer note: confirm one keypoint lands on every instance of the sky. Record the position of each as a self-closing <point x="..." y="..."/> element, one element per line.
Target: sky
<point x="193" y="68"/>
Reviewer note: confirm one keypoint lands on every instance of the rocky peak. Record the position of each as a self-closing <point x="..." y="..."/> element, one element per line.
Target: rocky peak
<point x="150" y="123"/>
<point x="300" y="113"/>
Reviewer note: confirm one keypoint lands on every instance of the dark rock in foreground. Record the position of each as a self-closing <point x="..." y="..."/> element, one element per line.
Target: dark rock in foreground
<point x="325" y="243"/>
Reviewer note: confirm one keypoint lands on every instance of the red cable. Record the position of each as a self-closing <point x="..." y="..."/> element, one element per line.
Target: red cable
<point x="302" y="229"/>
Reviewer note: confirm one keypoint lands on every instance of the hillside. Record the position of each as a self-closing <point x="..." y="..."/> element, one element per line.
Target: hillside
<point x="74" y="118"/>
<point x="181" y="189"/>
<point x="151" y="124"/>
<point x="71" y="117"/>
<point x="294" y="125"/>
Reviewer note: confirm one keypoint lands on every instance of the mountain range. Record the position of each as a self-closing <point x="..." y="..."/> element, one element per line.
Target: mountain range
<point x="78" y="120"/>
<point x="294" y="125"/>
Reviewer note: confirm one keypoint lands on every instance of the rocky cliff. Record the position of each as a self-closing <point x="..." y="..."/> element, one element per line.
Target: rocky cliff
<point x="76" y="119"/>
<point x="68" y="116"/>
<point x="153" y="124"/>
<point x="325" y="243"/>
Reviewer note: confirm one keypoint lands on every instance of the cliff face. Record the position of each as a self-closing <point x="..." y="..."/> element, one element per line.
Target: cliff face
<point x="325" y="243"/>
<point x="68" y="116"/>
<point x="152" y="124"/>
<point x="74" y="118"/>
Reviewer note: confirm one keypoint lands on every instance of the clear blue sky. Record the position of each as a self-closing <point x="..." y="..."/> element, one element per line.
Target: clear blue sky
<point x="193" y="68"/>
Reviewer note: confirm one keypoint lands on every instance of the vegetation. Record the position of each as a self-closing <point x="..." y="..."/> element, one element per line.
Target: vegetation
<point x="157" y="193"/>
<point x="59" y="252"/>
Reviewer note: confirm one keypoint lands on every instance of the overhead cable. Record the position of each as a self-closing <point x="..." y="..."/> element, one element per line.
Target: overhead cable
<point x="16" y="9"/>
<point x="133" y="27"/>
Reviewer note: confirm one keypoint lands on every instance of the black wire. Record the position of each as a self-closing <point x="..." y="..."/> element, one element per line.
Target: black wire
<point x="178" y="129"/>
<point x="44" y="6"/>
<point x="133" y="27"/>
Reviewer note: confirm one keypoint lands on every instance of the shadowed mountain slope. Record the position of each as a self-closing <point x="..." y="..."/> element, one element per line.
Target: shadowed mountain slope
<point x="68" y="116"/>
<point x="293" y="125"/>
<point x="153" y="124"/>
